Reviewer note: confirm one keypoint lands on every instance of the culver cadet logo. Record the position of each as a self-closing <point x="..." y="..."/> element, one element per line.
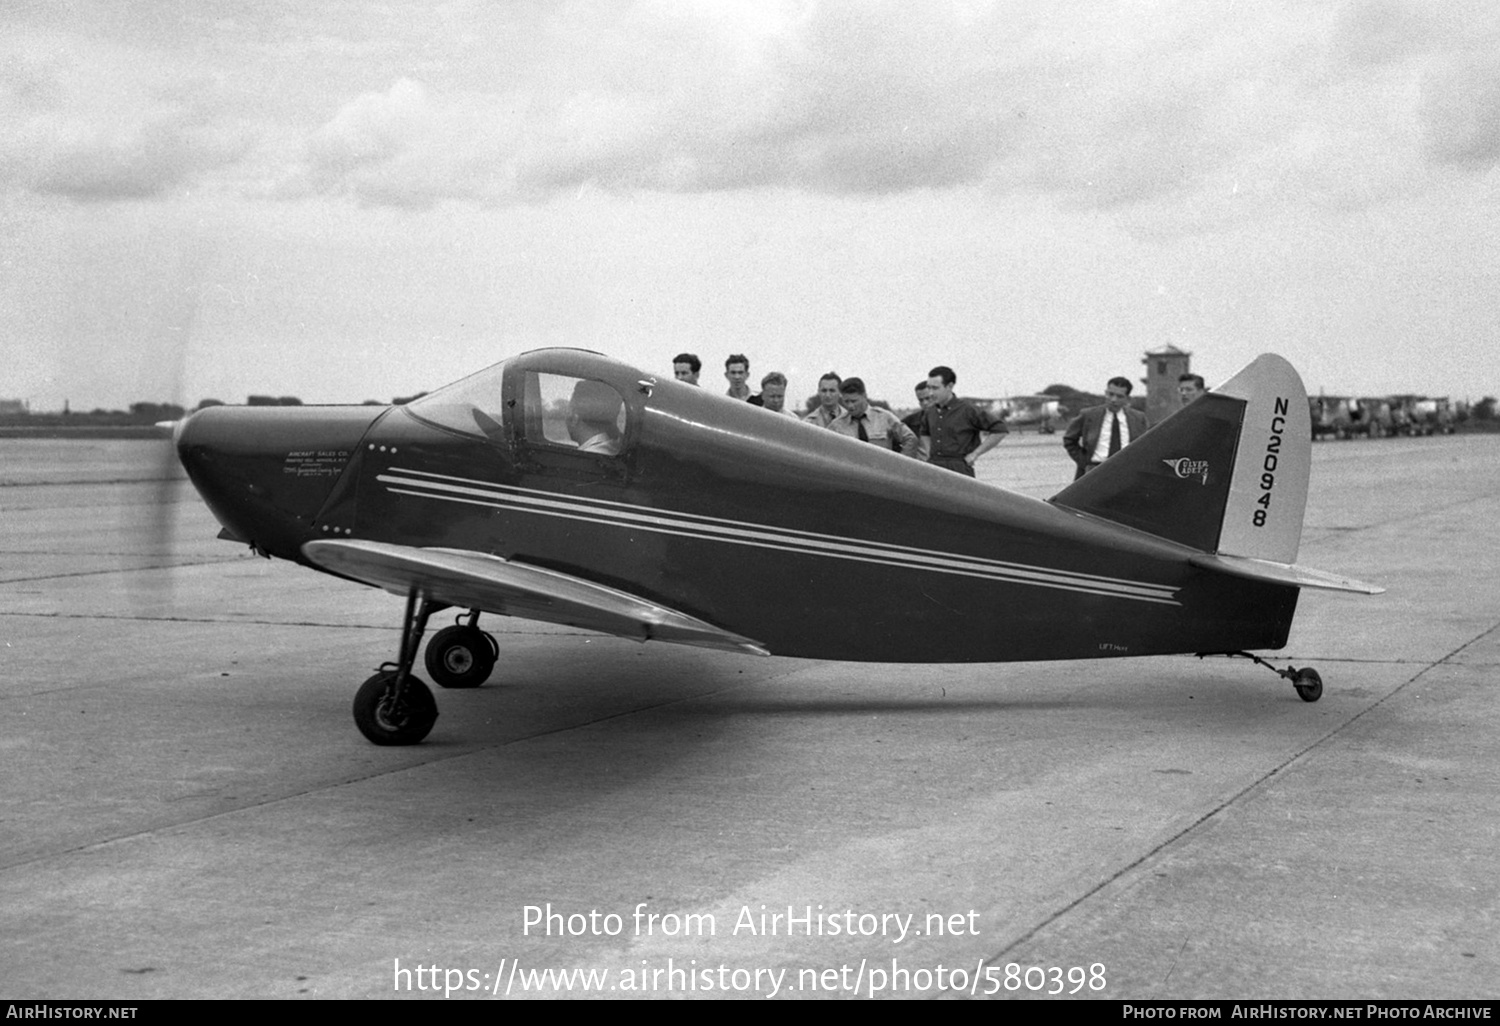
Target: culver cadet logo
<point x="1188" y="468"/>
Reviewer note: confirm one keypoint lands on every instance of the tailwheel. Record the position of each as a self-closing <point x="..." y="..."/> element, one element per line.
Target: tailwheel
<point x="1309" y="685"/>
<point x="388" y="715"/>
<point x="1307" y="681"/>
<point x="461" y="656"/>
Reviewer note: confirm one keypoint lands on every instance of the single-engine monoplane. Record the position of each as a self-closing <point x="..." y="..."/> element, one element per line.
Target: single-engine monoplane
<point x="567" y="487"/>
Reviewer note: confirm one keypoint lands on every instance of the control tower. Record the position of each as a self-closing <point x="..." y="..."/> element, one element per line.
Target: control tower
<point x="1163" y="366"/>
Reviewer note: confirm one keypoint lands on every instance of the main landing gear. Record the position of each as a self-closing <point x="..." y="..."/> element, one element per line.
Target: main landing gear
<point x="462" y="656"/>
<point x="394" y="707"/>
<point x="1307" y="681"/>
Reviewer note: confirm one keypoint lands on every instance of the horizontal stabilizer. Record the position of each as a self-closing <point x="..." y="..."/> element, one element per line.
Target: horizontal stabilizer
<point x="477" y="580"/>
<point x="1282" y="573"/>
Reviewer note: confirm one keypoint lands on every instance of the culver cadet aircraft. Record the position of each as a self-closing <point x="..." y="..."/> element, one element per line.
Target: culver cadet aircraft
<point x="566" y="487"/>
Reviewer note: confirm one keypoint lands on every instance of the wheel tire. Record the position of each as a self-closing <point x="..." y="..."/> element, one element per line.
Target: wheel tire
<point x="1309" y="685"/>
<point x="460" y="657"/>
<point x="385" y="722"/>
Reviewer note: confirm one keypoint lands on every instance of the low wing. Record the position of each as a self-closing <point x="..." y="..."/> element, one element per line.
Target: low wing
<point x="476" y="580"/>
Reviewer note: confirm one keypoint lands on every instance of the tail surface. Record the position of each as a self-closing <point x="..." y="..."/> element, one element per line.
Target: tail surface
<point x="1226" y="475"/>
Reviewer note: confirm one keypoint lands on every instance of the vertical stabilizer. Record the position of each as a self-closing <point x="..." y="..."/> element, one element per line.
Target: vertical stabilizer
<point x="1227" y="474"/>
<point x="1268" y="494"/>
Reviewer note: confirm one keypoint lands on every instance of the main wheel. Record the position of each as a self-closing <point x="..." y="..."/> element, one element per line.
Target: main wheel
<point x="460" y="657"/>
<point x="389" y="721"/>
<point x="1309" y="685"/>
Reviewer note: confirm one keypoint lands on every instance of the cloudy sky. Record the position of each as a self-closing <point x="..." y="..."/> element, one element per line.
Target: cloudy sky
<point x="352" y="200"/>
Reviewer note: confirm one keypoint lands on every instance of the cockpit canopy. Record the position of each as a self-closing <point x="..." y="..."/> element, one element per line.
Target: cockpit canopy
<point x="548" y="408"/>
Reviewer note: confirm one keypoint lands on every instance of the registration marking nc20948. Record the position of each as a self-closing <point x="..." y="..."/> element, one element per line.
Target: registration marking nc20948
<point x="1268" y="465"/>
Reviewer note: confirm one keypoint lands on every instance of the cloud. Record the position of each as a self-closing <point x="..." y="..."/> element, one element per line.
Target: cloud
<point x="406" y="147"/>
<point x="149" y="158"/>
<point x="1091" y="105"/>
<point x="1454" y="51"/>
<point x="842" y="98"/>
<point x="1379" y="33"/>
<point x="1094" y="106"/>
<point x="371" y="129"/>
<point x="1461" y="113"/>
<point x="97" y="124"/>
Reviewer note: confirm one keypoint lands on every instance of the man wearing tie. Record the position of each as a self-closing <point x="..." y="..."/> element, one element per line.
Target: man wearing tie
<point x="871" y="423"/>
<point x="1101" y="431"/>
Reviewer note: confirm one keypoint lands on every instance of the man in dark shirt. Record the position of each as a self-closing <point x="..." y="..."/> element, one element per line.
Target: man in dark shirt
<point x="959" y="432"/>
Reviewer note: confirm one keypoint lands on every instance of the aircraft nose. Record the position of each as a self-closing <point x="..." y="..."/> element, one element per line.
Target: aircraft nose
<point x="266" y="471"/>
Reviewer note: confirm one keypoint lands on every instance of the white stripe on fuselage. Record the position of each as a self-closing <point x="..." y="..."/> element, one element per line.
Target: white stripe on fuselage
<point x="446" y="488"/>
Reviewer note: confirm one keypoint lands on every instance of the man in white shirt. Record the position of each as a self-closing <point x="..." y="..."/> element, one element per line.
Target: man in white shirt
<point x="737" y="373"/>
<point x="594" y="418"/>
<point x="1101" y="431"/>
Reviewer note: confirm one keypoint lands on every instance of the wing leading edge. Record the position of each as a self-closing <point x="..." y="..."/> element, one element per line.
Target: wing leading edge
<point x="476" y="580"/>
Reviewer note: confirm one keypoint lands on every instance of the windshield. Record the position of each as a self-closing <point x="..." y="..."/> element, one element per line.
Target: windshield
<point x="471" y="405"/>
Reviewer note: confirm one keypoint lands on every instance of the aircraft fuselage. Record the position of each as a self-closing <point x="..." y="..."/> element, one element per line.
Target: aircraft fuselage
<point x="811" y="543"/>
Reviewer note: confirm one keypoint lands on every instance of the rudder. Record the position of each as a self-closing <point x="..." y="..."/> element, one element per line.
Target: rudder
<point x="1268" y="493"/>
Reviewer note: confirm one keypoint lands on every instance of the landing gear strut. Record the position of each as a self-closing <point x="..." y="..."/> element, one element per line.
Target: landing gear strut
<point x="393" y="707"/>
<point x="1307" y="681"/>
<point x="461" y="656"/>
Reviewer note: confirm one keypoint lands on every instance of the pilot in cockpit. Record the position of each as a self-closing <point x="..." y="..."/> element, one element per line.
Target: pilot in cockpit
<point x="594" y="418"/>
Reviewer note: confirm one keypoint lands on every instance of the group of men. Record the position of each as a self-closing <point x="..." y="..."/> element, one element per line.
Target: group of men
<point x="944" y="430"/>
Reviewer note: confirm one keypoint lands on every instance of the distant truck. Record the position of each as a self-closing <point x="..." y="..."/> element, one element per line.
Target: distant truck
<point x="1420" y="415"/>
<point x="1346" y="416"/>
<point x="1377" y="417"/>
